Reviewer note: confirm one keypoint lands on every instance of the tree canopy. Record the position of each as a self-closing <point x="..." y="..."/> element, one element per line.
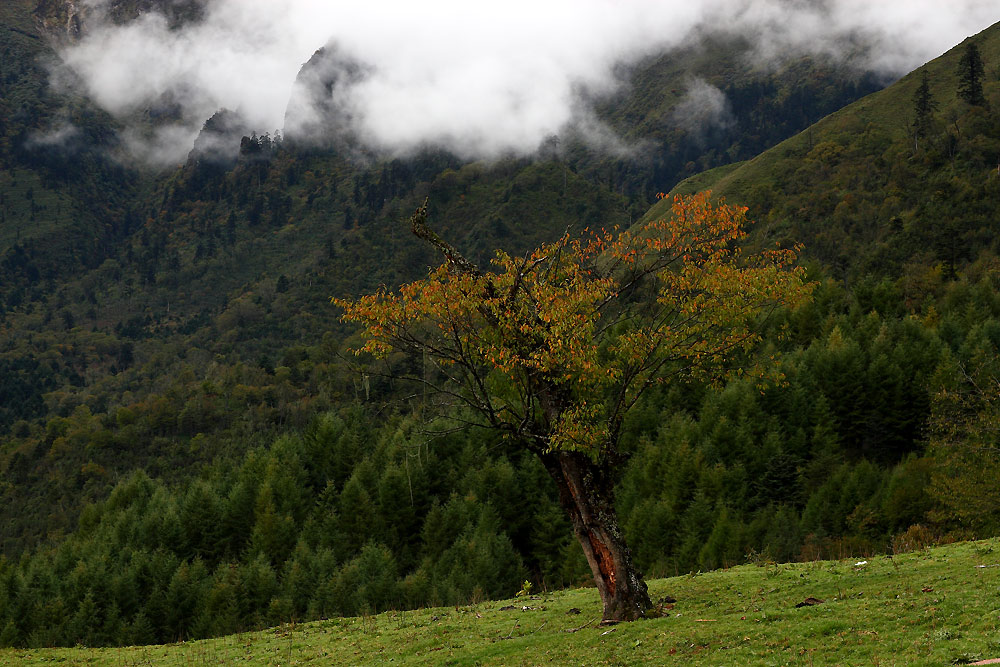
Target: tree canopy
<point x="553" y="348"/>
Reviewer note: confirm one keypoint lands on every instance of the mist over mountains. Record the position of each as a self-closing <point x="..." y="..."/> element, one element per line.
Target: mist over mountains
<point x="478" y="80"/>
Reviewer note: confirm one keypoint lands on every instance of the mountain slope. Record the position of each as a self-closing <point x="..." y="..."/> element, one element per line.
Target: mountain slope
<point x="137" y="293"/>
<point x="864" y="196"/>
<point x="920" y="608"/>
<point x="64" y="201"/>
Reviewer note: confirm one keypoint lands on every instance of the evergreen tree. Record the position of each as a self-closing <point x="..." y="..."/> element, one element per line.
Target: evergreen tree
<point x="200" y="514"/>
<point x="260" y="585"/>
<point x="9" y="636"/>
<point x="84" y="622"/>
<point x="784" y="537"/>
<point x="970" y="76"/>
<point x="396" y="506"/>
<point x="273" y="533"/>
<point x="141" y="631"/>
<point x="182" y="600"/>
<point x="694" y="527"/>
<point x="377" y="589"/>
<point x="299" y="581"/>
<point x="549" y="537"/>
<point x="722" y="548"/>
<point x="113" y="627"/>
<point x="481" y="562"/>
<point x="358" y="516"/>
<point x="924" y="106"/>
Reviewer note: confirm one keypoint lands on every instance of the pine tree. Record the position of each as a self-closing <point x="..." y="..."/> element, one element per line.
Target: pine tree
<point x="112" y="627"/>
<point x="184" y="593"/>
<point x="300" y="580"/>
<point x="10" y="635"/>
<point x="481" y="562"/>
<point x="396" y="506"/>
<point x="722" y="548"/>
<point x="784" y="537"/>
<point x="260" y="585"/>
<point x="200" y="514"/>
<point x="358" y="517"/>
<point x="84" y="622"/>
<point x="273" y="534"/>
<point x="970" y="76"/>
<point x="924" y="106"/>
<point x="141" y="631"/>
<point x="377" y="573"/>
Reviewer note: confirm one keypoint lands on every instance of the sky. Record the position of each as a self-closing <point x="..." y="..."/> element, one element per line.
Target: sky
<point x="478" y="78"/>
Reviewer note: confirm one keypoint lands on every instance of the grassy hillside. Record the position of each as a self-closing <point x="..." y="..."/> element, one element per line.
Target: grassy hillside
<point x="929" y="607"/>
<point x="886" y="113"/>
<point x="868" y="197"/>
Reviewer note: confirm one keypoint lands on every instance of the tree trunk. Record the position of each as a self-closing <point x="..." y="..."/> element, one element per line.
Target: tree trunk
<point x="586" y="493"/>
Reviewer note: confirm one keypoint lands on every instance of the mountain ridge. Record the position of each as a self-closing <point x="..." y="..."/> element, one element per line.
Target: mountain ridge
<point x="768" y="182"/>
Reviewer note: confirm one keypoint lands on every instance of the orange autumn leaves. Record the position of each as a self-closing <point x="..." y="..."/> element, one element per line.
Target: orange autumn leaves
<point x="556" y="346"/>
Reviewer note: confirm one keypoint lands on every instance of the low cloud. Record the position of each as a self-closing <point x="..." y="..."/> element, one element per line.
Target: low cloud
<point x="702" y="108"/>
<point x="63" y="135"/>
<point x="160" y="146"/>
<point x="479" y="79"/>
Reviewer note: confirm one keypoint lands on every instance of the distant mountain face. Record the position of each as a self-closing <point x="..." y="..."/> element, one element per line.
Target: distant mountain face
<point x="62" y="191"/>
<point x="61" y="19"/>
<point x="126" y="288"/>
<point x="68" y="19"/>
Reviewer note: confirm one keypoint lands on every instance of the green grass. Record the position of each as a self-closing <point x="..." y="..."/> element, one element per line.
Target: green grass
<point x="705" y="180"/>
<point x="932" y="607"/>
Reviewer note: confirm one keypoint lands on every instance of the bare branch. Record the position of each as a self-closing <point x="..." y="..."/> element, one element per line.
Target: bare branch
<point x="418" y="223"/>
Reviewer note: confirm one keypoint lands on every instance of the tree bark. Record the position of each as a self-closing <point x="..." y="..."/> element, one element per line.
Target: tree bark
<point x="586" y="493"/>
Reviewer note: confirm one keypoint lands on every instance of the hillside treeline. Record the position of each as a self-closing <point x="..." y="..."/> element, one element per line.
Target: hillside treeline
<point x="366" y="509"/>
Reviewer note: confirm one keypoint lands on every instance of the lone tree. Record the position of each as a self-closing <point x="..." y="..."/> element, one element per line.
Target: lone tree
<point x="924" y="106"/>
<point x="970" y="76"/>
<point x="553" y="349"/>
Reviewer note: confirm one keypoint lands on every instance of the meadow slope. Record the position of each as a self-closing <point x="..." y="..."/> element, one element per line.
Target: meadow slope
<point x="928" y="607"/>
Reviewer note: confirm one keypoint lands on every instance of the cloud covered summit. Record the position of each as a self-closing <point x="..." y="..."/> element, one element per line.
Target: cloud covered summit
<point x="476" y="78"/>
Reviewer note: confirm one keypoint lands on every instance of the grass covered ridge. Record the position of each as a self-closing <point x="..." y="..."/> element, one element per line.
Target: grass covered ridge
<point x="930" y="607"/>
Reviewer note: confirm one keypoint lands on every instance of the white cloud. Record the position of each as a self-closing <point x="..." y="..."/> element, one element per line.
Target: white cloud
<point x="61" y="135"/>
<point x="479" y="78"/>
<point x="703" y="106"/>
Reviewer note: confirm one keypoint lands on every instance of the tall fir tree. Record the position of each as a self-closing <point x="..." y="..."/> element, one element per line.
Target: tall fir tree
<point x="970" y="76"/>
<point x="924" y="106"/>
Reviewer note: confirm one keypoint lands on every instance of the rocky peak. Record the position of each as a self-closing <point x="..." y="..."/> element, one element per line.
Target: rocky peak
<point x="319" y="109"/>
<point x="67" y="20"/>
